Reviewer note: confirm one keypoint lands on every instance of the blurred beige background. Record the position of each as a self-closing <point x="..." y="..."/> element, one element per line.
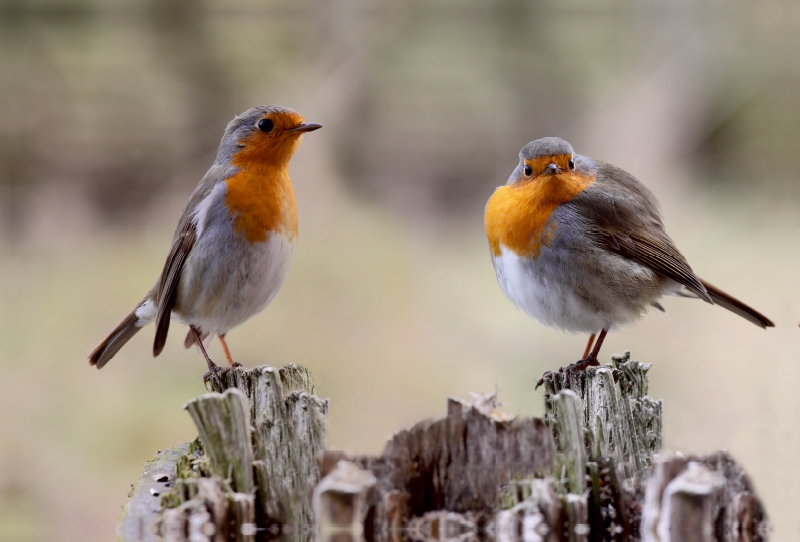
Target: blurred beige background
<point x="110" y="112"/>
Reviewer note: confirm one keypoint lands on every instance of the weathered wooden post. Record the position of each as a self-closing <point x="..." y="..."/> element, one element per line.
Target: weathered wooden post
<point x="253" y="467"/>
<point x="590" y="471"/>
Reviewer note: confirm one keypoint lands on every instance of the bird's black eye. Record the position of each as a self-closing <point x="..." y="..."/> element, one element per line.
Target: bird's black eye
<point x="266" y="125"/>
<point x="571" y="163"/>
<point x="528" y="171"/>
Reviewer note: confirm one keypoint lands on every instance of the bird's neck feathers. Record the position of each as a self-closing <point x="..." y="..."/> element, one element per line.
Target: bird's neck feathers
<point x="518" y="215"/>
<point x="260" y="195"/>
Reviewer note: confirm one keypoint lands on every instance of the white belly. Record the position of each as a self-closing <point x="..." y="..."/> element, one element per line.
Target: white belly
<point x="240" y="283"/>
<point x="568" y="297"/>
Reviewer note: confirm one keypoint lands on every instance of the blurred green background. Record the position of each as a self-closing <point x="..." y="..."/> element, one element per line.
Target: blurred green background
<point x="110" y="112"/>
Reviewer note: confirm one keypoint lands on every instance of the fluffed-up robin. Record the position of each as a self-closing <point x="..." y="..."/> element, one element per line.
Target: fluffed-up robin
<point x="579" y="245"/>
<point x="234" y="242"/>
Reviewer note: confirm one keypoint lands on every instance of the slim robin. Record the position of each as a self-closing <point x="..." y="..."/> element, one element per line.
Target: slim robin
<point x="234" y="242"/>
<point x="579" y="245"/>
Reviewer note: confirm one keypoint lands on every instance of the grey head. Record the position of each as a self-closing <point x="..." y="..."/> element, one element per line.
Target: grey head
<point x="271" y="131"/>
<point x="545" y="156"/>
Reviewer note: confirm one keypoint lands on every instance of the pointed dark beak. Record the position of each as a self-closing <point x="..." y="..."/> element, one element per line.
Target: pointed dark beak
<point x="552" y="169"/>
<point x="305" y="127"/>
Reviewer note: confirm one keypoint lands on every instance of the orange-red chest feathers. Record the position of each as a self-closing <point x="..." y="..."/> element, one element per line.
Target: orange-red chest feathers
<point x="517" y="214"/>
<point x="260" y="194"/>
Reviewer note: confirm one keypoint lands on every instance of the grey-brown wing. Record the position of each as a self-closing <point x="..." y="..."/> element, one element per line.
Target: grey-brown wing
<point x="623" y="216"/>
<point x="168" y="284"/>
<point x="182" y="242"/>
<point x="656" y="252"/>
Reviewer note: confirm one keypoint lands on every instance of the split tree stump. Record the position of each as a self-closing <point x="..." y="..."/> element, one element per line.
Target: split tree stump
<point x="589" y="471"/>
<point x="251" y="470"/>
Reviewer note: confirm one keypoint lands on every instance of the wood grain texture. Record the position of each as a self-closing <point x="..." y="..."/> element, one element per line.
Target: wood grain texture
<point x="588" y="472"/>
<point x="253" y="467"/>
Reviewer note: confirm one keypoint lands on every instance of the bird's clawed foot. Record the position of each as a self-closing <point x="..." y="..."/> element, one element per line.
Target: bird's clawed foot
<point x="582" y="365"/>
<point x="215" y="376"/>
<point x="573" y="368"/>
<point x="578" y="367"/>
<point x="589" y="360"/>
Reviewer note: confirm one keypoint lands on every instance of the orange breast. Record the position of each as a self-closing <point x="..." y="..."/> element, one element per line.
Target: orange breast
<point x="262" y="200"/>
<point x="517" y="214"/>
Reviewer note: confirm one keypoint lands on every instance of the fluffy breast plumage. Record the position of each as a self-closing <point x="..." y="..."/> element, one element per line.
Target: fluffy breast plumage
<point x="228" y="277"/>
<point x="572" y="283"/>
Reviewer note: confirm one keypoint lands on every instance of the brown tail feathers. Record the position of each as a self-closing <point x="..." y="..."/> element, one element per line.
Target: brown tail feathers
<point x="734" y="305"/>
<point x="116" y="340"/>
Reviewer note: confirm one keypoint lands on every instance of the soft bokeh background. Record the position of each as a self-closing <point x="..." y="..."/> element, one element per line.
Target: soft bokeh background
<point x="110" y="112"/>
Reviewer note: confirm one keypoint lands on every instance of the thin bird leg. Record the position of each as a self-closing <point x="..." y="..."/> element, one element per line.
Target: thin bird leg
<point x="596" y="350"/>
<point x="213" y="368"/>
<point x="225" y="349"/>
<point x="199" y="341"/>
<point x="587" y="361"/>
<point x="588" y="346"/>
<point x="228" y="352"/>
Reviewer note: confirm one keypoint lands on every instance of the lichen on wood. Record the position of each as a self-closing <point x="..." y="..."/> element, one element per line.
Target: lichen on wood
<point x="143" y="507"/>
<point x="213" y="514"/>
<point x="254" y="466"/>
<point x="567" y="428"/>
<point x="588" y="473"/>
<point x="224" y="424"/>
<point x="534" y="511"/>
<point x="620" y="421"/>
